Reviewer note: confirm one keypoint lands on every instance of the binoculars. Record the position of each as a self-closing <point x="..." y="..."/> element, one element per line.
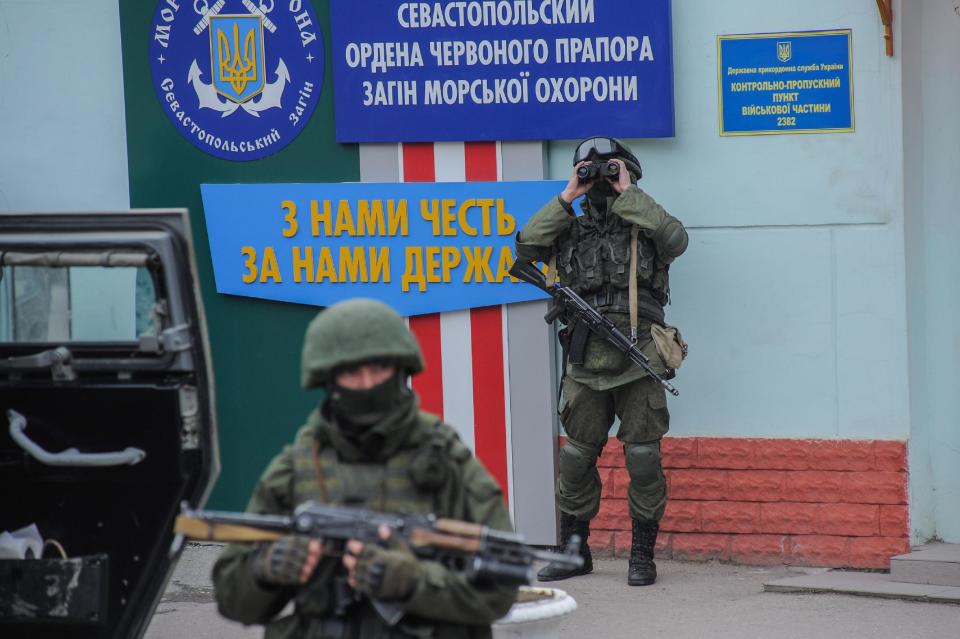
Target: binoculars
<point x="594" y="170"/>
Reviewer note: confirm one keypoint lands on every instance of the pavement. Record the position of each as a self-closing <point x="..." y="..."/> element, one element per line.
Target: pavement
<point x="689" y="600"/>
<point x="865" y="584"/>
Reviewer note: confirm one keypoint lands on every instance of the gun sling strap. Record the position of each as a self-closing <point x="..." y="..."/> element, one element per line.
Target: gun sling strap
<point x="632" y="286"/>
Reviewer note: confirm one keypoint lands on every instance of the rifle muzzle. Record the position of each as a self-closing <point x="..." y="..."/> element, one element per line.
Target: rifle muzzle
<point x="489" y="570"/>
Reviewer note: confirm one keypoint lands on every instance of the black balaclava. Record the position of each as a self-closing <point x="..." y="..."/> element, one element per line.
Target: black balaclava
<point x="600" y="193"/>
<point x="372" y="418"/>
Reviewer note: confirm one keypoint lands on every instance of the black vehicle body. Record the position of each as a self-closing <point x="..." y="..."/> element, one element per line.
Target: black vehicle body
<point x="106" y="415"/>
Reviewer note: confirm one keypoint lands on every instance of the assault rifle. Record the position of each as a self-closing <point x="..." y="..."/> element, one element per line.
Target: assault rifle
<point x="566" y="302"/>
<point x="482" y="554"/>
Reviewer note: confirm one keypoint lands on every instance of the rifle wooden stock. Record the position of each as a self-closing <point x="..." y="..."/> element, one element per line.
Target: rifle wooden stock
<point x="198" y="529"/>
<point x="423" y="538"/>
<point x="201" y="530"/>
<point x="461" y="528"/>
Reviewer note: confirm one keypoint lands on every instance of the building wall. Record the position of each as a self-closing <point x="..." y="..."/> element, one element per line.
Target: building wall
<point x="61" y="107"/>
<point x="769" y="501"/>
<point x="931" y="54"/>
<point x="792" y="292"/>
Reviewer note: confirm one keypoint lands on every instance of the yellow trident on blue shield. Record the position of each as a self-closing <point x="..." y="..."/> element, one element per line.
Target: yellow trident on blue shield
<point x="236" y="55"/>
<point x="784" y="51"/>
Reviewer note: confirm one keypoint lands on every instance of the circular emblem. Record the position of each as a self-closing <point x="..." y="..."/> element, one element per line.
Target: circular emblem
<point x="238" y="78"/>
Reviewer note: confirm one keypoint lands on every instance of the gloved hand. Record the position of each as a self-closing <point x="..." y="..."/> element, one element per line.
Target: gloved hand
<point x="288" y="561"/>
<point x="386" y="574"/>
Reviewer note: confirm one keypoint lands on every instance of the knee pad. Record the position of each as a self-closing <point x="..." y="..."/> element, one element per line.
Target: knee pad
<point x="577" y="460"/>
<point x="643" y="462"/>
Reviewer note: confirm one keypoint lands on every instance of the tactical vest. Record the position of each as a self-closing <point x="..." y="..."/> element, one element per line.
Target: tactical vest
<point x="593" y="258"/>
<point x="320" y="475"/>
<point x="417" y="479"/>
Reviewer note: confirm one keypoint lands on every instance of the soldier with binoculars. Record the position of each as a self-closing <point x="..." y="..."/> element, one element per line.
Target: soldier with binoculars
<point x="587" y="172"/>
<point x="616" y="255"/>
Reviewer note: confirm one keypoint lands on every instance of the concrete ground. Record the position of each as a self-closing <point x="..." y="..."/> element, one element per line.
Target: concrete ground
<point x="690" y="600"/>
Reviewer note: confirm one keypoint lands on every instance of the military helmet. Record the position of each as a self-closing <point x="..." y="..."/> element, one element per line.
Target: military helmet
<point x="601" y="148"/>
<point x="353" y="332"/>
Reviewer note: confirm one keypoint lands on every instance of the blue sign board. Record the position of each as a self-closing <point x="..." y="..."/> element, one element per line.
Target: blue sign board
<point x="785" y="82"/>
<point x="501" y="69"/>
<point x="419" y="247"/>
<point x="238" y="79"/>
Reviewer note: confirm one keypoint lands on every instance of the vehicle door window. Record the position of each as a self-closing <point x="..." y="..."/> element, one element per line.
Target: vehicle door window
<point x="40" y="304"/>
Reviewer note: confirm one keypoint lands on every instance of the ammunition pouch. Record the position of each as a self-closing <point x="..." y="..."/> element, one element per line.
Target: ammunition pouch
<point x="573" y="341"/>
<point x="670" y="345"/>
<point x="429" y="469"/>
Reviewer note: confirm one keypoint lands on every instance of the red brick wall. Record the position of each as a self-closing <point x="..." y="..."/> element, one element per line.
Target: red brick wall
<point x="839" y="503"/>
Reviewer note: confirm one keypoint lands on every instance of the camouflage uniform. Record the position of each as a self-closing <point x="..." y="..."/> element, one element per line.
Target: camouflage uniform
<point x="592" y="255"/>
<point x="419" y="465"/>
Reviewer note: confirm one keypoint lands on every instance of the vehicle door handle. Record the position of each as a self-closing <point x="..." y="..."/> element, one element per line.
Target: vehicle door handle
<point x="70" y="456"/>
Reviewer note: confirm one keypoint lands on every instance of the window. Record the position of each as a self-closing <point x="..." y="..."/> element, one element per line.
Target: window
<point x="76" y="303"/>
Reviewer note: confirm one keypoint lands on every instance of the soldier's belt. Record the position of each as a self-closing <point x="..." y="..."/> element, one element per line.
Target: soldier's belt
<point x="617" y="301"/>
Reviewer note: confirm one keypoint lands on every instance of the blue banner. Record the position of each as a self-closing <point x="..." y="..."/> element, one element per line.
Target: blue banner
<point x="501" y="69"/>
<point x="419" y="247"/>
<point x="785" y="82"/>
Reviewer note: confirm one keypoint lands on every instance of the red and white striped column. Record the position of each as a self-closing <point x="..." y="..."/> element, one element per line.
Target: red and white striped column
<point x="486" y="367"/>
<point x="466" y="377"/>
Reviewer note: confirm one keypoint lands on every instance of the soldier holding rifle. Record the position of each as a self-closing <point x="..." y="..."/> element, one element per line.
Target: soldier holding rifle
<point x="366" y="446"/>
<point x="615" y="257"/>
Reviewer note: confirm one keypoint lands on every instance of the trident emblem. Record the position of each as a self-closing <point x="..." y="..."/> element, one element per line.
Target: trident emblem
<point x="236" y="48"/>
<point x="235" y="70"/>
<point x="784" y="51"/>
<point x="237" y="64"/>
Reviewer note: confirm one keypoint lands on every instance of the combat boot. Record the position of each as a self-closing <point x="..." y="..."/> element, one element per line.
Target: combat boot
<point x="569" y="526"/>
<point x="643" y="571"/>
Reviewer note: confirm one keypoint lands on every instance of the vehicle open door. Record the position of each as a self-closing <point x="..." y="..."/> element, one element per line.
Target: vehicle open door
<point x="106" y="417"/>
